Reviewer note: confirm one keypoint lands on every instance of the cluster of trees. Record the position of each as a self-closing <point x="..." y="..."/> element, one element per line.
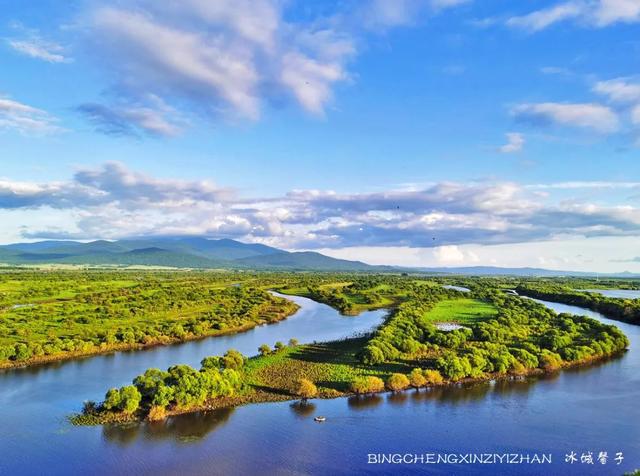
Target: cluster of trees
<point x="102" y="311"/>
<point x="476" y="361"/>
<point x="396" y="382"/>
<point x="264" y="349"/>
<point x="408" y="331"/>
<point x="364" y="385"/>
<point x="626" y="310"/>
<point x="524" y="335"/>
<point x="425" y="377"/>
<point x="333" y="297"/>
<point x="305" y="388"/>
<point x="181" y="386"/>
<point x="125" y="399"/>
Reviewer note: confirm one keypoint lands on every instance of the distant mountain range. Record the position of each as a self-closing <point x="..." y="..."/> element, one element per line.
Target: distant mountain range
<point x="178" y="252"/>
<point x="199" y="252"/>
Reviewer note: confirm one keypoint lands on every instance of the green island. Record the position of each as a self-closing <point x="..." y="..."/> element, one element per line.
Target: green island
<point x="431" y="336"/>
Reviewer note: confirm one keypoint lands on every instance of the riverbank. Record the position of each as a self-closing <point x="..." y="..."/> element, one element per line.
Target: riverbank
<point x="619" y="309"/>
<point x="104" y="349"/>
<point x="332" y="366"/>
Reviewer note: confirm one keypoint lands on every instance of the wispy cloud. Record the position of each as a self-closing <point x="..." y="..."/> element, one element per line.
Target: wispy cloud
<point x="26" y="119"/>
<point x="592" y="116"/>
<point x="448" y="3"/>
<point x="40" y="49"/>
<point x="225" y="58"/>
<point x="555" y="70"/>
<point x="541" y="19"/>
<point x="231" y="59"/>
<point x="153" y="118"/>
<point x="384" y="14"/>
<point x="624" y="95"/>
<point x="593" y="13"/>
<point x="515" y="143"/>
<point x="617" y="110"/>
<point x="29" y="42"/>
<point x="586" y="185"/>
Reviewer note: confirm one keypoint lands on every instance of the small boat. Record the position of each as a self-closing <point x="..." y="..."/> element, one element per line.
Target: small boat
<point x="319" y="419"/>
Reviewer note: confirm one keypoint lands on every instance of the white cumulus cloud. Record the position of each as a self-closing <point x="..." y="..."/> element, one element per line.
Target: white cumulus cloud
<point x="450" y="254"/>
<point x="112" y="201"/>
<point x="619" y="90"/>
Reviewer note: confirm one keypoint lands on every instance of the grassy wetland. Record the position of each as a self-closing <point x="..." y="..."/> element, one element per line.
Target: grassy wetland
<point x="57" y="315"/>
<point x="493" y="334"/>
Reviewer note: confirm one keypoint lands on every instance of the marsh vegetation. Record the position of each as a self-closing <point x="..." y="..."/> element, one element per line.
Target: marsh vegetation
<point x="47" y="316"/>
<point x="501" y="336"/>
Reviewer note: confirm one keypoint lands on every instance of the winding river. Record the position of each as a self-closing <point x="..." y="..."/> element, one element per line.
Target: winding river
<point x="588" y="409"/>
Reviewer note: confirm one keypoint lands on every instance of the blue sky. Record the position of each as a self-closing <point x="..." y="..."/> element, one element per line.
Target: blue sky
<point x="426" y="132"/>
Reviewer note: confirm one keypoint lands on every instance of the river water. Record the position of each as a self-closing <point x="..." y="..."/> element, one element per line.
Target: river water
<point x="616" y="293"/>
<point x="588" y="409"/>
<point x="457" y="288"/>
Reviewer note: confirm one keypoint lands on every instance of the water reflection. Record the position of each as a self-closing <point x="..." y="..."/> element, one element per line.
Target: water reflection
<point x="303" y="409"/>
<point x="35" y="369"/>
<point x="521" y="386"/>
<point x="594" y="365"/>
<point x="362" y="402"/>
<point x="183" y="428"/>
<point x="467" y="393"/>
<point x="451" y="394"/>
<point x="397" y="398"/>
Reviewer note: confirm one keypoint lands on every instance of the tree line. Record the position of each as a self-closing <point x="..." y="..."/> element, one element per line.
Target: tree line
<point x="626" y="310"/>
